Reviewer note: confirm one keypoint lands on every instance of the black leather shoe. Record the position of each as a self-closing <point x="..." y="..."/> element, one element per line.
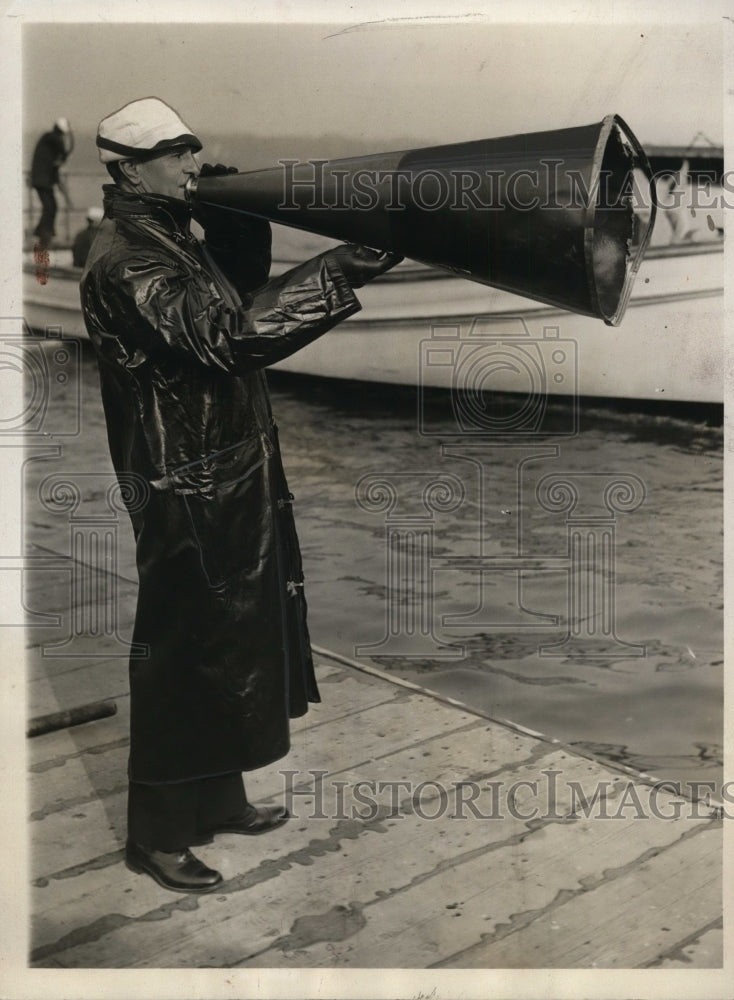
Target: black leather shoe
<point x="258" y="820"/>
<point x="179" y="871"/>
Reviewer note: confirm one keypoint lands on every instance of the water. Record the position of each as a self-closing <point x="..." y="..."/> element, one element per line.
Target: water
<point x="648" y="696"/>
<point x="651" y="696"/>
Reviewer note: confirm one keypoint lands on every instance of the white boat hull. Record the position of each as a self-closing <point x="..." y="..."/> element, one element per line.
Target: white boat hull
<point x="420" y="327"/>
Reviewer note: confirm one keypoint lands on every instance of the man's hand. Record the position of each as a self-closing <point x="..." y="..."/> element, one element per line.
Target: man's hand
<point x="216" y="170"/>
<point x="360" y="264"/>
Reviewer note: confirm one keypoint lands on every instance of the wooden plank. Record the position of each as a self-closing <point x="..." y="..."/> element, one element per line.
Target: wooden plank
<point x="419" y="922"/>
<point x="405" y="867"/>
<point x="64" y="763"/>
<point x="699" y="950"/>
<point x="623" y="923"/>
<point x="73" y="899"/>
<point x="56" y="838"/>
<point x="49" y="591"/>
<point x="89" y="681"/>
<point x="88" y="826"/>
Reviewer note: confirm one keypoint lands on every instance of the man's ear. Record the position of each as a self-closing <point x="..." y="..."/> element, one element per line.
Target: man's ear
<point x="130" y="170"/>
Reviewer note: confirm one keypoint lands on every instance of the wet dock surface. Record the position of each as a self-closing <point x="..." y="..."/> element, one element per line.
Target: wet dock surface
<point x="423" y="836"/>
<point x="583" y="867"/>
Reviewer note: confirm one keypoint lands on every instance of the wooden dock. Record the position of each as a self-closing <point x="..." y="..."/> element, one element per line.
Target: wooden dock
<point x="425" y="834"/>
<point x="554" y="867"/>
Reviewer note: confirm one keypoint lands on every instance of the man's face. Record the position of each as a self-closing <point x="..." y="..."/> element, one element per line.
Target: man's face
<point x="168" y="174"/>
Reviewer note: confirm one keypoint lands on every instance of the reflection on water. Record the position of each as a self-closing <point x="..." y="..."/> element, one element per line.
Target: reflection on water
<point x="650" y="695"/>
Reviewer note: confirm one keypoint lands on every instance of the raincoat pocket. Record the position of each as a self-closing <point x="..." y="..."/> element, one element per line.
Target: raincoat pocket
<point x="227" y="500"/>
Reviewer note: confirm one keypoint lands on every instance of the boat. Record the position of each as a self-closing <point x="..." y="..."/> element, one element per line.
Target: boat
<point x="425" y="327"/>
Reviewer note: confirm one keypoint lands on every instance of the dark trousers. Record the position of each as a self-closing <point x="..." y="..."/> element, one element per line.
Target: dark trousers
<point x="173" y="817"/>
<point x="45" y="228"/>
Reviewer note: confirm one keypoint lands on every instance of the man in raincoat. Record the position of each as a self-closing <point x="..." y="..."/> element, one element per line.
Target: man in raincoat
<point x="183" y="330"/>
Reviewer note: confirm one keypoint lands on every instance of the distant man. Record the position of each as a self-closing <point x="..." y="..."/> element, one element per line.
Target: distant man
<point x="85" y="237"/>
<point x="52" y="150"/>
<point x="183" y="331"/>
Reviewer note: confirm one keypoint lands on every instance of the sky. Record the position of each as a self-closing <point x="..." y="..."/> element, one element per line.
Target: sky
<point x="382" y="82"/>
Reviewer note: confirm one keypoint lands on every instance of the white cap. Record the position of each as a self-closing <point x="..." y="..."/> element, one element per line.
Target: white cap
<point x="62" y="124"/>
<point x="95" y="214"/>
<point x="141" y="130"/>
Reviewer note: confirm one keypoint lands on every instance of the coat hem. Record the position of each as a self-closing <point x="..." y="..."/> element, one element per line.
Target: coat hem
<point x="241" y="769"/>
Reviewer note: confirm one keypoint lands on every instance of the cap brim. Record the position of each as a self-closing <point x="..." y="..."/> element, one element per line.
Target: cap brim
<point x="165" y="146"/>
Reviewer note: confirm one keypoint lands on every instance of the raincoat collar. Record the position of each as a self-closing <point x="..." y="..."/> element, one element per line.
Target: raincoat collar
<point x="171" y="213"/>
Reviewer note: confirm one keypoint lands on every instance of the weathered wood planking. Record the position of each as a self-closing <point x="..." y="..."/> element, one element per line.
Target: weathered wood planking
<point x="50" y="591"/>
<point x="52" y="750"/>
<point x="525" y="873"/>
<point x="702" y="949"/>
<point x="453" y="753"/>
<point x="316" y="855"/>
<point x="328" y="872"/>
<point x="62" y="893"/>
<point x="397" y="890"/>
<point x="78" y="685"/>
<point x="379" y="725"/>
<point x="624" y="922"/>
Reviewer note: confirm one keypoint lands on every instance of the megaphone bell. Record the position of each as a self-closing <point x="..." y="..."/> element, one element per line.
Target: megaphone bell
<point x="547" y="215"/>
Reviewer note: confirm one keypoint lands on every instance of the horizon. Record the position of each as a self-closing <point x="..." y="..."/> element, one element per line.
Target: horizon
<point x="253" y="152"/>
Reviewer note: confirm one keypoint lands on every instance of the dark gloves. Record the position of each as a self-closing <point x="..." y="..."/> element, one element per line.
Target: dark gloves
<point x="360" y="264"/>
<point x="240" y="243"/>
<point x="216" y="170"/>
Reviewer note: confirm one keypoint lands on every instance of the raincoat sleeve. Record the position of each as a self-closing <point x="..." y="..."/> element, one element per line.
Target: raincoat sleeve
<point x="241" y="245"/>
<point x="158" y="308"/>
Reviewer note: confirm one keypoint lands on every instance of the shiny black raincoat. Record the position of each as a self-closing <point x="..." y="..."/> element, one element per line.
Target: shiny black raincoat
<point x="181" y="347"/>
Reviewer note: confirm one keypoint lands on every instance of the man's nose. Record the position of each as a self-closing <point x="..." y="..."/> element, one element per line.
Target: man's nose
<point x="190" y="164"/>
